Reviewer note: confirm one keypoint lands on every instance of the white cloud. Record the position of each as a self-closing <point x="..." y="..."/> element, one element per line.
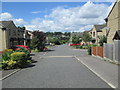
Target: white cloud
<point x="19" y="22"/>
<point x="73" y="19"/>
<point x="62" y="19"/>
<point x="5" y="16"/>
<point x="36" y="12"/>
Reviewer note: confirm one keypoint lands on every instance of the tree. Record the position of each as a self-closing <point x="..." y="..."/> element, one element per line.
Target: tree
<point x="76" y="39"/>
<point x="22" y="28"/>
<point x="33" y="44"/>
<point x="86" y="37"/>
<point x="38" y="42"/>
<point x="103" y="40"/>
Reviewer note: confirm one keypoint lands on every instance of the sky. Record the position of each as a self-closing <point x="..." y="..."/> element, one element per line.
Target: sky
<point x="56" y="16"/>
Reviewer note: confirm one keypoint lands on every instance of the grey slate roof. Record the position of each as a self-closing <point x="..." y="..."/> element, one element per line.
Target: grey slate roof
<point x="99" y="27"/>
<point x="7" y="23"/>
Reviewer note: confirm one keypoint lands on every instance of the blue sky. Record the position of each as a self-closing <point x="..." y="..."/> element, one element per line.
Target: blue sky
<point x="52" y="16"/>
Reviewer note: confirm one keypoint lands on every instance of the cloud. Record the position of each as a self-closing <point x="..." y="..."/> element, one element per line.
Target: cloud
<point x="5" y="16"/>
<point x="20" y="22"/>
<point x="72" y="19"/>
<point x="36" y="12"/>
<point x="68" y="19"/>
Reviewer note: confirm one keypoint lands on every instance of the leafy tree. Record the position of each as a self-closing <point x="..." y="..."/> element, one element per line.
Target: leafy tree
<point x="75" y="39"/>
<point x="57" y="37"/>
<point x="33" y="44"/>
<point x="38" y="40"/>
<point x="86" y="37"/>
<point x="67" y="33"/>
<point x="103" y="40"/>
<point x="22" y="28"/>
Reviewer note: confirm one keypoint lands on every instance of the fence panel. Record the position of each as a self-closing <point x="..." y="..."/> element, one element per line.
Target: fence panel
<point x="117" y="50"/>
<point x="100" y="51"/>
<point x="108" y="51"/>
<point x="94" y="51"/>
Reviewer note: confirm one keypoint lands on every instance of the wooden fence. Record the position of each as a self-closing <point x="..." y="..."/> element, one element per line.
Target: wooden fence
<point x="97" y="51"/>
<point x="108" y="51"/>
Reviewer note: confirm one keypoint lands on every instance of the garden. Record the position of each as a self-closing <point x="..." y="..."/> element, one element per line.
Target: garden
<point x="14" y="59"/>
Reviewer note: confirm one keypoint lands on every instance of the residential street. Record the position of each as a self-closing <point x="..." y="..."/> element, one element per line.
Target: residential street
<point x="57" y="68"/>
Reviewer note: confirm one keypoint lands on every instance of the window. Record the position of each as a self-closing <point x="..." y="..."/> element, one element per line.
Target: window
<point x="94" y="34"/>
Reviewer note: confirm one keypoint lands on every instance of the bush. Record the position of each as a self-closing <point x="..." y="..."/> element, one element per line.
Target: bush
<point x="9" y="64"/>
<point x="6" y="54"/>
<point x="89" y="50"/>
<point x="84" y="47"/>
<point x="21" y="49"/>
<point x="20" y="58"/>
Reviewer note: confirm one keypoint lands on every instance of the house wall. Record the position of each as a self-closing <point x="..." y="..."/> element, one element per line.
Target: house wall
<point x="119" y="15"/>
<point x="113" y="22"/>
<point x="104" y="31"/>
<point x="3" y="41"/>
<point x="94" y="32"/>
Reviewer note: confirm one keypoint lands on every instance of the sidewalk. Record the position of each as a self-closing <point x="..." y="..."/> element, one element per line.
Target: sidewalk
<point x="105" y="70"/>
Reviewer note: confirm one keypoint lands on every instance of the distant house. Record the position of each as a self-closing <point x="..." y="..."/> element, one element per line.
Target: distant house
<point x="113" y="21"/>
<point x="27" y="37"/>
<point x="96" y="32"/>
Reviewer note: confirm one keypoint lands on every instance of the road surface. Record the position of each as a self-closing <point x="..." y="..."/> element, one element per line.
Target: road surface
<point x="57" y="68"/>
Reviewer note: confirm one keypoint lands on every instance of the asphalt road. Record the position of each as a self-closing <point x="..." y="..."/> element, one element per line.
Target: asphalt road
<point x="56" y="69"/>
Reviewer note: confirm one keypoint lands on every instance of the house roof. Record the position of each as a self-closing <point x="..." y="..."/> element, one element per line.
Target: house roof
<point x="7" y="23"/>
<point x="99" y="27"/>
<point x="112" y="8"/>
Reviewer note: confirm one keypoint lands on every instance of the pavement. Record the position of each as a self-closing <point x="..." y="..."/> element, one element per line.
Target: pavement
<point x="105" y="70"/>
<point x="64" y="67"/>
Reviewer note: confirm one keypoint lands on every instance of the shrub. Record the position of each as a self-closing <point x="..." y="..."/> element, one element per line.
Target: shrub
<point x="21" y="49"/>
<point x="84" y="47"/>
<point x="9" y="64"/>
<point x="20" y="58"/>
<point x="89" y="50"/>
<point x="81" y="46"/>
<point x="6" y="54"/>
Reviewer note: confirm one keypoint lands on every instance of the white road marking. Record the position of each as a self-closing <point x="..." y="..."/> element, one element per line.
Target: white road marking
<point x="111" y="85"/>
<point x="57" y="56"/>
<point x="9" y="74"/>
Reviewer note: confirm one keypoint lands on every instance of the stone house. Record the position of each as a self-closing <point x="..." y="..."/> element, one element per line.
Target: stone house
<point x="10" y="35"/>
<point x="96" y="32"/>
<point x="113" y="21"/>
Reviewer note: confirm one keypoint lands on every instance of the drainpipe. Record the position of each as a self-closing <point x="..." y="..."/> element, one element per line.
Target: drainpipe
<point x="25" y="37"/>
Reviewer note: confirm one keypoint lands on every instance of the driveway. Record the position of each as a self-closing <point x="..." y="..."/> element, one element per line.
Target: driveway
<point x="57" y="68"/>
